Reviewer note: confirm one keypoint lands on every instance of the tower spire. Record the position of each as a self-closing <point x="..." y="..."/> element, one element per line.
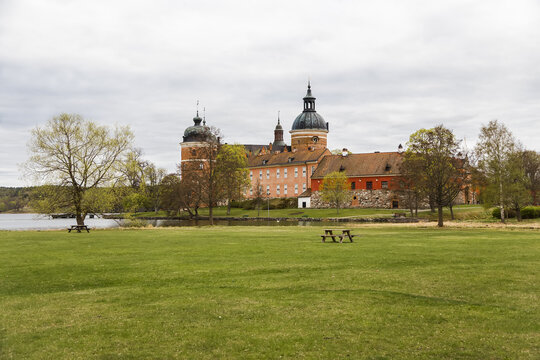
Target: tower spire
<point x="197" y="108"/>
<point x="204" y="116"/>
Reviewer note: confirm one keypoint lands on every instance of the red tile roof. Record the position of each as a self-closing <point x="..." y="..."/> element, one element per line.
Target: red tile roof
<point x="370" y="164"/>
<point x="284" y="158"/>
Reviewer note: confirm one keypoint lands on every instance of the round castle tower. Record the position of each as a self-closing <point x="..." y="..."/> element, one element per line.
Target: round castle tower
<point x="309" y="130"/>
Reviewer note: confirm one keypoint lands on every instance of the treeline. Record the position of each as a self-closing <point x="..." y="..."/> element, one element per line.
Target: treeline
<point x="15" y="199"/>
<point x="499" y="172"/>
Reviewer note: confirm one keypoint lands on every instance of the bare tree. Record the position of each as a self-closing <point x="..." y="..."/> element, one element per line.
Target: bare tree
<point x="76" y="155"/>
<point x="434" y="153"/>
<point x="493" y="150"/>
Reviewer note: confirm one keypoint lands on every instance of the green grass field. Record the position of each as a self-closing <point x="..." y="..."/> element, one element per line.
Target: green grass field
<point x="270" y="292"/>
<point x="460" y="211"/>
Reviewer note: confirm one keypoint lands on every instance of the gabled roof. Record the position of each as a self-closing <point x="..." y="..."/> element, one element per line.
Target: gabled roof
<point x="306" y="193"/>
<point x="285" y="158"/>
<point x="369" y="164"/>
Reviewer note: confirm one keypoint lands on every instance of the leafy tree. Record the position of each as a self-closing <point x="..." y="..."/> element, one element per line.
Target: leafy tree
<point x="232" y="172"/>
<point x="153" y="176"/>
<point x="334" y="189"/>
<point x="531" y="167"/>
<point x="171" y="194"/>
<point x="411" y="183"/>
<point x="434" y="153"/>
<point x="494" y="152"/>
<point x="76" y="155"/>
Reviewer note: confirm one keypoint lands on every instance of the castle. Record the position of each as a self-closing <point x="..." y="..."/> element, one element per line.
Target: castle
<point x="298" y="169"/>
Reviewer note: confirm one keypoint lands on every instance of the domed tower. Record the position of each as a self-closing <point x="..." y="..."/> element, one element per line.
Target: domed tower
<point x="194" y="139"/>
<point x="309" y="130"/>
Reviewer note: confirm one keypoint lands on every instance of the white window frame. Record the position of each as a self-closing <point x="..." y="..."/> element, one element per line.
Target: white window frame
<point x="260" y="174"/>
<point x="267" y="189"/>
<point x="303" y="172"/>
<point x="267" y="174"/>
<point x="295" y="172"/>
<point x="312" y="169"/>
<point x="285" y="189"/>
<point x="285" y="173"/>
<point x="304" y="187"/>
<point x="251" y="175"/>
<point x="296" y="188"/>
<point x="277" y="190"/>
<point x="277" y="173"/>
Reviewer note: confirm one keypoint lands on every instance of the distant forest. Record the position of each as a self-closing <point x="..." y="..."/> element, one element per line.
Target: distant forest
<point x="14" y="199"/>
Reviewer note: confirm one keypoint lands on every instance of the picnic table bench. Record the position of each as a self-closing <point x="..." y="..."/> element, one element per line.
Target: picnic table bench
<point x="79" y="228"/>
<point x="344" y="233"/>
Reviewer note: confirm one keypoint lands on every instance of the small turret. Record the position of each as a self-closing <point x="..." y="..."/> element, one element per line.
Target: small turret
<point x="278" y="135"/>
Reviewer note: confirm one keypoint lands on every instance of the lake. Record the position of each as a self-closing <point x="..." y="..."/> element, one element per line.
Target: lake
<point x="45" y="222"/>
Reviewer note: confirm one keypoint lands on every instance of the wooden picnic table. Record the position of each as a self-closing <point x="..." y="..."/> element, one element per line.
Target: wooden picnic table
<point x="79" y="228"/>
<point x="344" y="233"/>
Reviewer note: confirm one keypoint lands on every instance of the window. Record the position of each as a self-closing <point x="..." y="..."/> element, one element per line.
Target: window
<point x="265" y="161"/>
<point x="395" y="204"/>
<point x="296" y="188"/>
<point x="260" y="174"/>
<point x="285" y="173"/>
<point x="312" y="170"/>
<point x="369" y="185"/>
<point x="277" y="174"/>
<point x="268" y="174"/>
<point x="267" y="189"/>
<point x="353" y="185"/>
<point x="304" y="187"/>
<point x="201" y="166"/>
<point x="384" y="184"/>
<point x="295" y="172"/>
<point x="285" y="189"/>
<point x="250" y="191"/>
<point x="304" y="172"/>
<point x="277" y="189"/>
<point x="251" y="175"/>
<point x="193" y="152"/>
<point x="290" y="159"/>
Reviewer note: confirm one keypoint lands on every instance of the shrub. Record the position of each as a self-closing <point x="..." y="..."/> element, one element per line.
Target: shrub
<point x="508" y="213"/>
<point x="530" y="212"/>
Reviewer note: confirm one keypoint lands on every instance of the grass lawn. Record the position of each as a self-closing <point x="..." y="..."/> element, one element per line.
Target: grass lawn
<point x="270" y="292"/>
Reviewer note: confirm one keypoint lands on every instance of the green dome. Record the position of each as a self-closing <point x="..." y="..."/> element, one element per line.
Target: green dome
<point x="197" y="132"/>
<point x="309" y="119"/>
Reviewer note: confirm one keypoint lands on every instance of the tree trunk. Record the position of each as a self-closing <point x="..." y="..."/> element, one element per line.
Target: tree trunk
<point x="518" y="213"/>
<point x="431" y="204"/>
<point x="501" y="202"/>
<point x="80" y="218"/>
<point x="440" y="211"/>
<point x="228" y="206"/>
<point x="451" y="211"/>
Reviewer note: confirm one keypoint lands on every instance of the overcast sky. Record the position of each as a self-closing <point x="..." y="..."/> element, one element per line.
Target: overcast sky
<point x="380" y="69"/>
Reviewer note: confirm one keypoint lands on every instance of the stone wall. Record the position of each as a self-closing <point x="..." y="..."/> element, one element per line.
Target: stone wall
<point x="381" y="199"/>
<point x="364" y="199"/>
